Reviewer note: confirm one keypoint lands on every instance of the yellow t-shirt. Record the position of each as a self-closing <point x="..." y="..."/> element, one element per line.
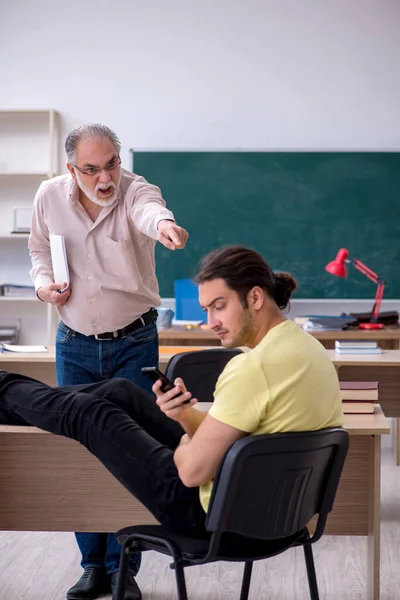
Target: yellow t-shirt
<point x="286" y="383"/>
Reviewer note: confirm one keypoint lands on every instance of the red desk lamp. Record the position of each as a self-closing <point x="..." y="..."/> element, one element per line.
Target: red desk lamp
<point x="337" y="267"/>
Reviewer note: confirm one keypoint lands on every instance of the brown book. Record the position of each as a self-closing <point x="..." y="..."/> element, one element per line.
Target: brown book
<point x="359" y="390"/>
<point x="358" y="407"/>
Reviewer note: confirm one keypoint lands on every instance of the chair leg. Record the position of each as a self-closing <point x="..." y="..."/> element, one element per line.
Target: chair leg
<point x="312" y="578"/>
<point x="180" y="578"/>
<point x="123" y="571"/>
<point x="244" y="592"/>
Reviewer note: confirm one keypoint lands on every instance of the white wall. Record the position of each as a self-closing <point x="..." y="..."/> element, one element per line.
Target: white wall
<point x="273" y="74"/>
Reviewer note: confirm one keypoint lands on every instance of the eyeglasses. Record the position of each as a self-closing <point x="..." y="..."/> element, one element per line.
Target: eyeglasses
<point x="91" y="171"/>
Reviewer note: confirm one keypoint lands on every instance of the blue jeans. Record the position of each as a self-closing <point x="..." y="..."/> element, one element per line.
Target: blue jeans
<point x="81" y="359"/>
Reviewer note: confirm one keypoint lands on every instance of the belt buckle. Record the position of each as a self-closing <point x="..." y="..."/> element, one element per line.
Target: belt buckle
<point x="98" y="336"/>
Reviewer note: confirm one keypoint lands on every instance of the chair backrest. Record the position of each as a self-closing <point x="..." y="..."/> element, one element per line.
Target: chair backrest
<point x="200" y="370"/>
<point x="270" y="486"/>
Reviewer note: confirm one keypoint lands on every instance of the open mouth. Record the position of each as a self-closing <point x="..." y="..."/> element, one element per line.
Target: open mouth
<point x="106" y="191"/>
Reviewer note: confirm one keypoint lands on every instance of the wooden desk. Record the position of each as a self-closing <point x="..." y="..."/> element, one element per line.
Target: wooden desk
<point x="179" y="336"/>
<point x="51" y="483"/>
<point x="39" y="365"/>
<point x="167" y="352"/>
<point x="384" y="368"/>
<point x="388" y="358"/>
<point x="42" y="365"/>
<point x="388" y="338"/>
<point x="352" y="367"/>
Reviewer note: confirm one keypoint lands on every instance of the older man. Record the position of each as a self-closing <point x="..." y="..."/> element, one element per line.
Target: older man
<point x="110" y="219"/>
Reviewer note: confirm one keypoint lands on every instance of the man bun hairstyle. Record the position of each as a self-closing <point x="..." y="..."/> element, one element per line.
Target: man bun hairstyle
<point x="242" y="269"/>
<point x="285" y="285"/>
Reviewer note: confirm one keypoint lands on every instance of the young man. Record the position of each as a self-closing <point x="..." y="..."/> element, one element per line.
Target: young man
<point x="167" y="453"/>
<point x="110" y="219"/>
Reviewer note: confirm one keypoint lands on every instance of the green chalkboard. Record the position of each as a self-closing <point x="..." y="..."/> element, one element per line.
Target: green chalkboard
<point x="295" y="208"/>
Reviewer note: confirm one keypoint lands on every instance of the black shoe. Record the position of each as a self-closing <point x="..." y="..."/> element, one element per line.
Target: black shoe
<point x="92" y="583"/>
<point x="132" y="591"/>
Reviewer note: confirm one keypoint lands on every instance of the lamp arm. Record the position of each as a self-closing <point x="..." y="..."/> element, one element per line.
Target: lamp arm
<point x="365" y="270"/>
<point x="378" y="299"/>
<point x="360" y="266"/>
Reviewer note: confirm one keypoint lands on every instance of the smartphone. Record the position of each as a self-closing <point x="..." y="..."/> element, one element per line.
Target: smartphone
<point x="155" y="374"/>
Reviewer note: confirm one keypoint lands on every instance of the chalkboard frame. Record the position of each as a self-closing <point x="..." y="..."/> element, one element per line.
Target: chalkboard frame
<point x="295" y="208"/>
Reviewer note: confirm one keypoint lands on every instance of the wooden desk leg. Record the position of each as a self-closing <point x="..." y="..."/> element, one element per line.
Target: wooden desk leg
<point x="396" y="440"/>
<point x="374" y="507"/>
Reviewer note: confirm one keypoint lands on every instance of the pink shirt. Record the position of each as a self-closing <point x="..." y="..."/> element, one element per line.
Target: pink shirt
<point x="111" y="261"/>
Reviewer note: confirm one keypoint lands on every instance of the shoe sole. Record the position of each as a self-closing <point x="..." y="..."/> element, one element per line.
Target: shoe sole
<point x="100" y="593"/>
<point x="83" y="597"/>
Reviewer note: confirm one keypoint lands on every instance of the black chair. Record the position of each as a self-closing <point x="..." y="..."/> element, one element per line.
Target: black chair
<point x="200" y="370"/>
<point x="265" y="493"/>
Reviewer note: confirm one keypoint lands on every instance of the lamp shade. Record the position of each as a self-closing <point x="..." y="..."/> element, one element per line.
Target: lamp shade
<point x="337" y="266"/>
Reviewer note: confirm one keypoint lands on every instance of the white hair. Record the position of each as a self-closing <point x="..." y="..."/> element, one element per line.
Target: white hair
<point x="89" y="132"/>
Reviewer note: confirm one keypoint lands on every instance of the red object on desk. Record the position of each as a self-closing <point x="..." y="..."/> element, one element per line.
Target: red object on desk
<point x="338" y="268"/>
<point x="371" y="326"/>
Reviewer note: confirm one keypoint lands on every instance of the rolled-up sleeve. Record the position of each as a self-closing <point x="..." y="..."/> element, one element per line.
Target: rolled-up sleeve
<point x="147" y="206"/>
<point x="39" y="245"/>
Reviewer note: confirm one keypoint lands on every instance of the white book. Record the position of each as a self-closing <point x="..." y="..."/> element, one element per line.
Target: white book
<point x="59" y="260"/>
<point x="185" y="322"/>
<point x="18" y="348"/>
<point x="311" y="326"/>
<point x="358" y="350"/>
<point x="356" y="344"/>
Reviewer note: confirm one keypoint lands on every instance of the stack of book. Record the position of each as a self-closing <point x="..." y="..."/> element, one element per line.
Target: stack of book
<point x="359" y="396"/>
<point x="357" y="347"/>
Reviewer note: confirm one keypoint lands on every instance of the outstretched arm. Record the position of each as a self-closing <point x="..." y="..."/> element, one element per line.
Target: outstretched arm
<point x="171" y="235"/>
<point x="150" y="215"/>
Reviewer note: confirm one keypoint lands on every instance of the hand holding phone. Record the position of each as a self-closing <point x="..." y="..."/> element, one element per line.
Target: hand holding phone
<point x="155" y="374"/>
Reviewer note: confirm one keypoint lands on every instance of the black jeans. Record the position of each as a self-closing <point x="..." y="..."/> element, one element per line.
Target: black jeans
<point x="120" y="424"/>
